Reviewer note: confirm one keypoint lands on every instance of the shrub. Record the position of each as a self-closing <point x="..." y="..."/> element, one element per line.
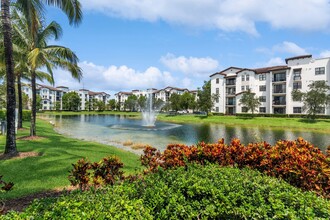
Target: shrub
<point x="191" y="192"/>
<point x="297" y="162"/>
<point x="85" y="173"/>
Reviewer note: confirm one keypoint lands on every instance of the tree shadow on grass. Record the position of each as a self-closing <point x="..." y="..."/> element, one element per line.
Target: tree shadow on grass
<point x="245" y="117"/>
<point x="312" y="121"/>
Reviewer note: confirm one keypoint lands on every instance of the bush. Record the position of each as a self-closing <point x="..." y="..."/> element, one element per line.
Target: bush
<point x="191" y="192"/>
<point x="26" y="116"/>
<point x="297" y="162"/>
<point x="107" y="171"/>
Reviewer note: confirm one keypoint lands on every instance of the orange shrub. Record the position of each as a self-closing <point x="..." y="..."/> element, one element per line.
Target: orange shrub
<point x="297" y="162"/>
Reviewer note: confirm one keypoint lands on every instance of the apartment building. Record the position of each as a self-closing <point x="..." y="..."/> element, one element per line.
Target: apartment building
<point x="273" y="85"/>
<point x="52" y="95"/>
<point x="163" y="94"/>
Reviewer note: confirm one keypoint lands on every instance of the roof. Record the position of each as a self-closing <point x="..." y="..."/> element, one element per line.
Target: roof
<point x="222" y="72"/>
<point x="49" y="87"/>
<point x="297" y="57"/>
<point x="271" y="68"/>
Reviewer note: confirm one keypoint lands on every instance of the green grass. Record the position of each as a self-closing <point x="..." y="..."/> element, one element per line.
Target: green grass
<point x="49" y="171"/>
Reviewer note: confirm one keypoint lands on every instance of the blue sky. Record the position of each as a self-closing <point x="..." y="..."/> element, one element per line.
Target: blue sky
<point x="138" y="44"/>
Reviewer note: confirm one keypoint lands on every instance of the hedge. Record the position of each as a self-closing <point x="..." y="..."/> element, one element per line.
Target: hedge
<point x="26" y="115"/>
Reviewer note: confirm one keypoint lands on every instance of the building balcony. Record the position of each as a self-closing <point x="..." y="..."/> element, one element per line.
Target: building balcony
<point x="230" y="94"/>
<point x="278" y="102"/>
<point x="297" y="78"/>
<point x="231" y="103"/>
<point x="279" y="80"/>
<point x="278" y="91"/>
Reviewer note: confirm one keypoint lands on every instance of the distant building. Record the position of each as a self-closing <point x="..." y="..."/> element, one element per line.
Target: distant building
<point x="273" y="85"/>
<point x="51" y="95"/>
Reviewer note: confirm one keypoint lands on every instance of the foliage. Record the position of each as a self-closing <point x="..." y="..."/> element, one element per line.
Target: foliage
<point x="3" y="94"/>
<point x="316" y="99"/>
<point x="297" y="162"/>
<point x="107" y="171"/>
<point x="205" y="99"/>
<point x="99" y="106"/>
<point x="141" y="102"/>
<point x="175" y="101"/>
<point x="131" y="103"/>
<point x="57" y="105"/>
<point x="187" y="101"/>
<point x="71" y="101"/>
<point x="191" y="192"/>
<point x="38" y="102"/>
<point x="111" y="104"/>
<point x="25" y="101"/>
<point x="249" y="101"/>
<point x="4" y="187"/>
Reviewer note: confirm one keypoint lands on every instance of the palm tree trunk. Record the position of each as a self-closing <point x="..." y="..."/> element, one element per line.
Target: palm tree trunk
<point x="34" y="104"/>
<point x="10" y="147"/>
<point x="20" y="102"/>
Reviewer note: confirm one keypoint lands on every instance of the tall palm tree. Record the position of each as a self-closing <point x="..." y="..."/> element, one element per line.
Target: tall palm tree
<point x="71" y="8"/>
<point x="10" y="148"/>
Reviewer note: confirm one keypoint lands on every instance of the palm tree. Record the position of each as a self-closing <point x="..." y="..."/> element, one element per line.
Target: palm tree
<point x="10" y="148"/>
<point x="71" y="8"/>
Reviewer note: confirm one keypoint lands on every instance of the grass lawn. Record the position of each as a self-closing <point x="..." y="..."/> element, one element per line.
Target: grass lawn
<point x="49" y="171"/>
<point x="320" y="125"/>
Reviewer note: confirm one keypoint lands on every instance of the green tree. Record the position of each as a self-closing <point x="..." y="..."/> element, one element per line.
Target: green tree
<point x="30" y="8"/>
<point x="38" y="102"/>
<point x="100" y="106"/>
<point x="57" y="105"/>
<point x="131" y="103"/>
<point x="112" y="104"/>
<point x="25" y="101"/>
<point x="175" y="101"/>
<point x="249" y="101"/>
<point x="205" y="99"/>
<point x="315" y="100"/>
<point x="71" y="101"/>
<point x="142" y="101"/>
<point x="158" y="104"/>
<point x="187" y="101"/>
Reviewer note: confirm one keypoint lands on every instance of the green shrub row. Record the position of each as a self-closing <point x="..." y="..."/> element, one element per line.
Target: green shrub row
<point x="26" y="115"/>
<point x="191" y="192"/>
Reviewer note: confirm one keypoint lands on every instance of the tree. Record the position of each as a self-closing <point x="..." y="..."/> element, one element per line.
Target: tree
<point x="71" y="101"/>
<point x="131" y="103"/>
<point x="205" y="99"/>
<point x="57" y="105"/>
<point x="158" y="104"/>
<point x="72" y="8"/>
<point x="175" y="101"/>
<point x="100" y="106"/>
<point x="315" y="100"/>
<point x="187" y="101"/>
<point x="142" y="102"/>
<point x="249" y="101"/>
<point x="38" y="102"/>
<point x="25" y="101"/>
<point x="112" y="104"/>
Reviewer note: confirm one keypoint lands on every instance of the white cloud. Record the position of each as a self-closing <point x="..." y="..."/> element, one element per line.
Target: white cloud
<point x="289" y="47"/>
<point x="226" y="15"/>
<point x="115" y="78"/>
<point x="191" y="65"/>
<point x="325" y="53"/>
<point x="275" y="61"/>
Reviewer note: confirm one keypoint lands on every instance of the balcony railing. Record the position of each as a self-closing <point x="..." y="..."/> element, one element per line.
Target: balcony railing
<point x="230" y="93"/>
<point x="279" y="102"/>
<point x="279" y="90"/>
<point x="231" y="103"/>
<point x="297" y="78"/>
<point x="280" y="79"/>
<point x="230" y="83"/>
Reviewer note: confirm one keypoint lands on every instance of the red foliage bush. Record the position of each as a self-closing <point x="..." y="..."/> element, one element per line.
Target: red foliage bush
<point x="297" y="162"/>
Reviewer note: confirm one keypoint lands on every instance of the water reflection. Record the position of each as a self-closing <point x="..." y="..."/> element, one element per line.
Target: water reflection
<point x="100" y="128"/>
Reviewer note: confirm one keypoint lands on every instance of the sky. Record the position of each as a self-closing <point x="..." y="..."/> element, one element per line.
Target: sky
<point x="140" y="44"/>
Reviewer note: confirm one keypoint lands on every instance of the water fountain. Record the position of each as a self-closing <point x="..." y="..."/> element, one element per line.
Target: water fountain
<point x="149" y="112"/>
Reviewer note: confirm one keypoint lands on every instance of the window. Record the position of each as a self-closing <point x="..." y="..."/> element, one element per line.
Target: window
<point x="217" y="90"/>
<point x="217" y="100"/>
<point x="45" y="102"/>
<point x="297" y="85"/>
<point x="217" y="80"/>
<point x="262" y="77"/>
<point x="262" y="98"/>
<point x="262" y="109"/>
<point x="217" y="109"/>
<point x="320" y="71"/>
<point x="296" y="110"/>
<point x="320" y="110"/>
<point x="247" y="88"/>
<point x="244" y="109"/>
<point x="262" y="88"/>
<point x="243" y="78"/>
<point x="247" y="77"/>
<point x="242" y="88"/>
<point x="297" y="74"/>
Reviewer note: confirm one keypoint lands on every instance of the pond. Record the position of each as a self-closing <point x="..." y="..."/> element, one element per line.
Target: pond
<point x="119" y="130"/>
